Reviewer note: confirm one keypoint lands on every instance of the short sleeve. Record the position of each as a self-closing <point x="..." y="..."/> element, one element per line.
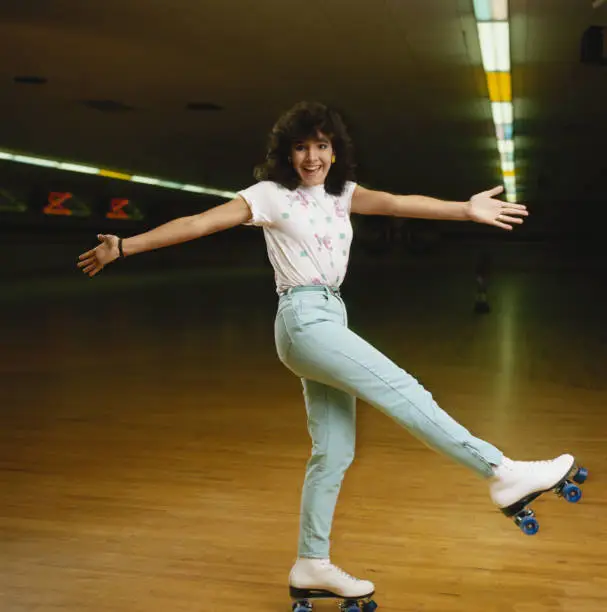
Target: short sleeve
<point x="348" y="193"/>
<point x="261" y="199"/>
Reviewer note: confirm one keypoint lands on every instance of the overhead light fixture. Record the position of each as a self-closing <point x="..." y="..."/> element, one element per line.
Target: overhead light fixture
<point x="504" y="131"/>
<point x="77" y="168"/>
<point x="505" y="146"/>
<point x="491" y="10"/>
<point x="494" y="37"/>
<point x="502" y="112"/>
<point x="135" y="178"/>
<point x="35" y="161"/>
<point x="144" y="179"/>
<point x="494" y="40"/>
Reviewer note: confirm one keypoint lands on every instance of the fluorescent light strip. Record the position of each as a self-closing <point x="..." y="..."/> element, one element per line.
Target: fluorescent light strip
<point x="502" y="112"/>
<point x="78" y="168"/>
<point x="193" y="188"/>
<point x="169" y="184"/>
<point x="504" y="132"/>
<point x="510" y="183"/>
<point x="35" y="161"/>
<point x="144" y="179"/>
<point x="494" y="38"/>
<point x="215" y="192"/>
<point x="505" y="146"/>
<point x="491" y="10"/>
<point x="155" y="182"/>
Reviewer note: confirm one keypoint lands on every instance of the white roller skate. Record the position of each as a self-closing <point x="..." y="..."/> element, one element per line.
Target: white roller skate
<point x="515" y="484"/>
<point x="319" y="579"/>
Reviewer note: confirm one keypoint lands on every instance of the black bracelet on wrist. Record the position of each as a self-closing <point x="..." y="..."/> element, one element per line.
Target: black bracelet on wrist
<point x="120" y="248"/>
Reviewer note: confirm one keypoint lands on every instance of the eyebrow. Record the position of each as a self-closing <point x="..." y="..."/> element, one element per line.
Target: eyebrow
<point x="322" y="140"/>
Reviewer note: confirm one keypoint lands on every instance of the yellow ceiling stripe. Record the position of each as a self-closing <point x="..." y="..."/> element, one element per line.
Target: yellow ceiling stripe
<point x="116" y="175"/>
<point x="500" y="86"/>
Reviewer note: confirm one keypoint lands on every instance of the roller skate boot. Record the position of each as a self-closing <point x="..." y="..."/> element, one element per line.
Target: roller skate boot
<point x="515" y="484"/>
<point x="312" y="579"/>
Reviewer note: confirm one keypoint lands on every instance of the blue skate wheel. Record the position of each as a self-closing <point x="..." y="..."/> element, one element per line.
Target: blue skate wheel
<point x="571" y="493"/>
<point x="528" y="525"/>
<point x="351" y="607"/>
<point x="302" y="606"/>
<point x="581" y="475"/>
<point x="370" y="606"/>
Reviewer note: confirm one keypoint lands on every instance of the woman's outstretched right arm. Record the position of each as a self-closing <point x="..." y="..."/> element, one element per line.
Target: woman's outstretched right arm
<point x="222" y="217"/>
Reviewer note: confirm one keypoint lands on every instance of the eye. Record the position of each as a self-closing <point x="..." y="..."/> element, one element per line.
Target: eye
<point x="324" y="146"/>
<point x="299" y="147"/>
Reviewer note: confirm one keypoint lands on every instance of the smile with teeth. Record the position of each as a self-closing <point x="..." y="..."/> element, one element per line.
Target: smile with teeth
<point x="310" y="170"/>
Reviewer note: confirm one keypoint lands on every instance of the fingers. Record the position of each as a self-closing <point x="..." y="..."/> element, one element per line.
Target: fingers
<point x="494" y="191"/>
<point x="90" y="266"/>
<point x="87" y="254"/>
<point x="505" y="219"/>
<point x="86" y="262"/>
<point x="514" y="209"/>
<point x="93" y="269"/>
<point x="509" y="219"/>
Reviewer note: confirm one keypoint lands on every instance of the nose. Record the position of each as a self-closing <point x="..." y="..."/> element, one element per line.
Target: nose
<point x="311" y="154"/>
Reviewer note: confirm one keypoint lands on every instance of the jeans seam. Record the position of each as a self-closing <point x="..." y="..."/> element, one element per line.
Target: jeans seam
<point x="411" y="404"/>
<point x="288" y="332"/>
<point x="309" y="535"/>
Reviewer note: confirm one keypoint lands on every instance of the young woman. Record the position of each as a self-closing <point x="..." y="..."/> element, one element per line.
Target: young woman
<point x="303" y="200"/>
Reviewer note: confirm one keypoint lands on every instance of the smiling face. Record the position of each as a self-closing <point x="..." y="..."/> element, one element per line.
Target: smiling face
<point x="312" y="159"/>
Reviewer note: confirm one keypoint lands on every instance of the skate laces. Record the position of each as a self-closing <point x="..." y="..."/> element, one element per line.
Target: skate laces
<point x="534" y="465"/>
<point x="340" y="571"/>
<point x="530" y="465"/>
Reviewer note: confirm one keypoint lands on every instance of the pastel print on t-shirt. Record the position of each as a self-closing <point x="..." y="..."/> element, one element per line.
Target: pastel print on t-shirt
<point x="324" y="241"/>
<point x="340" y="209"/>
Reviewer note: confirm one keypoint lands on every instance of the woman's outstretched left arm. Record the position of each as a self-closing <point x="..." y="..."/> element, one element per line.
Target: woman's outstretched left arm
<point x="480" y="208"/>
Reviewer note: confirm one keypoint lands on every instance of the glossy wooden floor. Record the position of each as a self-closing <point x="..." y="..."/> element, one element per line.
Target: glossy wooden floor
<point x="152" y="447"/>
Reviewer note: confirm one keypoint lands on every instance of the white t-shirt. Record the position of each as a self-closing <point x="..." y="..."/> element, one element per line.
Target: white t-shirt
<point x="307" y="231"/>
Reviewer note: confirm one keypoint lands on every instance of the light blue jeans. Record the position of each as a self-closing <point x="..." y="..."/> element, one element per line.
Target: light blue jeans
<point x="336" y="366"/>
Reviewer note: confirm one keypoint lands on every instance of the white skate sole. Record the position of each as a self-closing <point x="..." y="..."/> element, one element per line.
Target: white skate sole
<point x="303" y="598"/>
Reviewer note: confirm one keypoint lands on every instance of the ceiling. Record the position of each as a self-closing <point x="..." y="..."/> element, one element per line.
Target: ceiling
<point x="406" y="74"/>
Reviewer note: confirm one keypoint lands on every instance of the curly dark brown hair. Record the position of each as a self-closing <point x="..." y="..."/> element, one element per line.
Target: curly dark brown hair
<point x="303" y="121"/>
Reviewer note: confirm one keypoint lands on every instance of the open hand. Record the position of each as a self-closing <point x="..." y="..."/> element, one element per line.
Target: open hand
<point x="482" y="208"/>
<point x="94" y="260"/>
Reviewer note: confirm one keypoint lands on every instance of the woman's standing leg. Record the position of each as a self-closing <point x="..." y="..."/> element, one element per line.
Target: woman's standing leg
<point x="332" y="427"/>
